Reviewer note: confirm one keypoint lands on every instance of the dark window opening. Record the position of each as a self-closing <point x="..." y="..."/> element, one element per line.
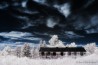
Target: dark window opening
<point x="42" y="53"/>
<point x="62" y="53"/>
<point x="54" y="53"/>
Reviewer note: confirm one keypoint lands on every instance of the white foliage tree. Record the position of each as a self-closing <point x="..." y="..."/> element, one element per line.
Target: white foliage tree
<point x="60" y="44"/>
<point x="32" y="52"/>
<point x="25" y="50"/>
<point x="18" y="51"/>
<point x="96" y="51"/>
<point x="54" y="41"/>
<point x="73" y="44"/>
<point x="6" y="51"/>
<point x="35" y="52"/>
<point x="42" y="44"/>
<point x="90" y="47"/>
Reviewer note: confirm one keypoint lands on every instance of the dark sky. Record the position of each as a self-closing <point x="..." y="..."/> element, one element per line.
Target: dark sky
<point x="67" y="18"/>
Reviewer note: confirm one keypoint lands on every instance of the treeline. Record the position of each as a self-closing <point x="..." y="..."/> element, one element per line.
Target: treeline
<point x="23" y="51"/>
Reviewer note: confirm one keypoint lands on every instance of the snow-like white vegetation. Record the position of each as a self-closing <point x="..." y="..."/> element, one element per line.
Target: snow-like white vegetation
<point x="73" y="44"/>
<point x="87" y="60"/>
<point x="6" y="51"/>
<point x="27" y="55"/>
<point x="13" y="60"/>
<point x="55" y="42"/>
<point x="90" y="47"/>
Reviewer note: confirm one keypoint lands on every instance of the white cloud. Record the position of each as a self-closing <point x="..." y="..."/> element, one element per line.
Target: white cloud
<point x="40" y="1"/>
<point x="15" y="34"/>
<point x="15" y="38"/>
<point x="71" y="34"/>
<point x="24" y="3"/>
<point x="51" y="23"/>
<point x="92" y="31"/>
<point x="64" y="9"/>
<point x="15" y="44"/>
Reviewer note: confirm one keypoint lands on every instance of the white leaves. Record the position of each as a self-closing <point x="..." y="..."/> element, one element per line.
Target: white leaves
<point x="42" y="43"/>
<point x="90" y="47"/>
<point x="18" y="51"/>
<point x="54" y="41"/>
<point x="96" y="51"/>
<point x="73" y="44"/>
<point x="13" y="60"/>
<point x="25" y="50"/>
<point x="6" y="51"/>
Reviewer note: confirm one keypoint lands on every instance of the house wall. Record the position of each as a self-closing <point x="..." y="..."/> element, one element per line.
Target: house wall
<point x="61" y="54"/>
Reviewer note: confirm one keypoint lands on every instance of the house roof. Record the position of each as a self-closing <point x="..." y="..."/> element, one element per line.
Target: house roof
<point x="62" y="49"/>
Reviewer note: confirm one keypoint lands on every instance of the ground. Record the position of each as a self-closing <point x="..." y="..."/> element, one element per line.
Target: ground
<point x="13" y="60"/>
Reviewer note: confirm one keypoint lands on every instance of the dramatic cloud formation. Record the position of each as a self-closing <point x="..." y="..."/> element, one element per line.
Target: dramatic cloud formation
<point x="50" y="16"/>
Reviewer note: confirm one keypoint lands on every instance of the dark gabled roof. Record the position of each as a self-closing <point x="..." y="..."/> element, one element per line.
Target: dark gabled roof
<point x="62" y="49"/>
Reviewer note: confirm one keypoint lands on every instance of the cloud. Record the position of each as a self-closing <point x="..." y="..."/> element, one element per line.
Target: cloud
<point x="40" y="1"/>
<point x="93" y="25"/>
<point x="15" y="44"/>
<point x="15" y="34"/>
<point x="24" y="3"/>
<point x="51" y="22"/>
<point x="3" y="5"/>
<point x="64" y="9"/>
<point x="71" y="34"/>
<point x="92" y="31"/>
<point x="88" y="3"/>
<point x="94" y="20"/>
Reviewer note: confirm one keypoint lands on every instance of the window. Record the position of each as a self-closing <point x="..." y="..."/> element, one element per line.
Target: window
<point x="62" y="53"/>
<point x="54" y="53"/>
<point x="42" y="53"/>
